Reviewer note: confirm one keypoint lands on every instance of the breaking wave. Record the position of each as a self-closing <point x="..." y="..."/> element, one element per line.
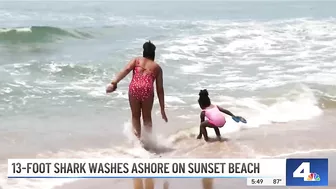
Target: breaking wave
<point x="39" y="34"/>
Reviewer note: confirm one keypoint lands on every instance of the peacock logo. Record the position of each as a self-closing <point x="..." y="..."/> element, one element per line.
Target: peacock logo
<point x="313" y="177"/>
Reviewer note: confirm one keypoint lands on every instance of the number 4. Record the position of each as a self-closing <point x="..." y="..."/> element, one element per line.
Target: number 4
<point x="302" y="171"/>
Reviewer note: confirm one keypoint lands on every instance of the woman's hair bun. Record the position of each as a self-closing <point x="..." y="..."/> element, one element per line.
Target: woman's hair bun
<point x="149" y="46"/>
<point x="204" y="92"/>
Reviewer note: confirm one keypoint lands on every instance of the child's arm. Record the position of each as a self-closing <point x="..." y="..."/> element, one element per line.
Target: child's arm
<point x="202" y="116"/>
<point x="225" y="111"/>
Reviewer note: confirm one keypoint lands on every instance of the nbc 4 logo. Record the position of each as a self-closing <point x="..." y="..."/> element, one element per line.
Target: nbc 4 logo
<point x="303" y="171"/>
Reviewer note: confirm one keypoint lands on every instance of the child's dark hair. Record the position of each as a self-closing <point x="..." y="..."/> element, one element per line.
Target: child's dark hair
<point x="204" y="100"/>
<point x="149" y="50"/>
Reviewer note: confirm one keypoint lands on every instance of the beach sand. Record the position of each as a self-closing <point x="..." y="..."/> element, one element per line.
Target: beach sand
<point x="313" y="138"/>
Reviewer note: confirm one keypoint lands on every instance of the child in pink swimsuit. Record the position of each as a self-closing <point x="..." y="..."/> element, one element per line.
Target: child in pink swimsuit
<point x="214" y="115"/>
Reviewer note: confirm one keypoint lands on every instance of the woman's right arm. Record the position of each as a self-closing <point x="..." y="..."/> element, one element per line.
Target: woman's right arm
<point x="127" y="69"/>
<point x="160" y="89"/>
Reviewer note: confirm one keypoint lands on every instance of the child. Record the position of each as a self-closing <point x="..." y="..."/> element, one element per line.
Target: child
<point x="214" y="115"/>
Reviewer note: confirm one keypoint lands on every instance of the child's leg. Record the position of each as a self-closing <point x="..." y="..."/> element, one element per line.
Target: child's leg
<point x="203" y="130"/>
<point x="165" y="185"/>
<point x="217" y="132"/>
<point x="200" y="133"/>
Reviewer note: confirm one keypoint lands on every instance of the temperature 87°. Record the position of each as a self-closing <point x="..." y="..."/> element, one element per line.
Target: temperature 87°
<point x="276" y="181"/>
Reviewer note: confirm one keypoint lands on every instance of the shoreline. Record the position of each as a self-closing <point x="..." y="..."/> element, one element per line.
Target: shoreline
<point x="193" y="183"/>
<point x="307" y="138"/>
<point x="241" y="145"/>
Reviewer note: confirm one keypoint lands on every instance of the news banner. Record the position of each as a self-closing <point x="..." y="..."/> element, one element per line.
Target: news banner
<point x="258" y="172"/>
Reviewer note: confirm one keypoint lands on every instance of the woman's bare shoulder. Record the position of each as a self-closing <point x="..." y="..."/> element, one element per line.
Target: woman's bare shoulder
<point x="157" y="67"/>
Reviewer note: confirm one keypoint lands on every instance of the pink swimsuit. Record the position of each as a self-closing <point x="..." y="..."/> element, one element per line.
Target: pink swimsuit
<point x="215" y="116"/>
<point x="141" y="86"/>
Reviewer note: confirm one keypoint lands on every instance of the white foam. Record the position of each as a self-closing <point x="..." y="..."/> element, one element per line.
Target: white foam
<point x="298" y="104"/>
<point x="6" y="90"/>
<point x="323" y="78"/>
<point x="273" y="45"/>
<point x="150" y="139"/>
<point x="133" y="150"/>
<point x="98" y="92"/>
<point x="305" y="69"/>
<point x="174" y="99"/>
<point x="269" y="68"/>
<point x="53" y="68"/>
<point x="4" y="30"/>
<point x="298" y="153"/>
<point x="185" y="116"/>
<point x="195" y="68"/>
<point x="237" y="78"/>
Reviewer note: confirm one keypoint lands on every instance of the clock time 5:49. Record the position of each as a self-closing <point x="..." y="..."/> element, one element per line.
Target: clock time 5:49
<point x="257" y="181"/>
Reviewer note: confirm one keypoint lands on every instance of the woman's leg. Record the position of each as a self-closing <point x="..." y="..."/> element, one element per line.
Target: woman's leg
<point x="146" y="109"/>
<point x="136" y="114"/>
<point x="137" y="183"/>
<point x="207" y="183"/>
<point x="203" y="127"/>
<point x="149" y="183"/>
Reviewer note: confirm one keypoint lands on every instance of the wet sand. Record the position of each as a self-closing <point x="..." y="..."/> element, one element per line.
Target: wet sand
<point x="185" y="183"/>
<point x="313" y="138"/>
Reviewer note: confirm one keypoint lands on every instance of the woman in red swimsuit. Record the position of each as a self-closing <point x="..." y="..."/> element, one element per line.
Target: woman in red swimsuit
<point x="141" y="88"/>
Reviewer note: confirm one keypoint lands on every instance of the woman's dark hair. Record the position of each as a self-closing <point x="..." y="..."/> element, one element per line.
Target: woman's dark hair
<point x="204" y="100"/>
<point x="149" y="50"/>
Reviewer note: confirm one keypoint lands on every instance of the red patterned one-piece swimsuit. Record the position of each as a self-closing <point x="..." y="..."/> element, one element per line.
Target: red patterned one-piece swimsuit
<point x="141" y="86"/>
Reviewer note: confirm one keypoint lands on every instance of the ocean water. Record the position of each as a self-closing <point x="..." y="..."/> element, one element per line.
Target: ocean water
<point x="270" y="62"/>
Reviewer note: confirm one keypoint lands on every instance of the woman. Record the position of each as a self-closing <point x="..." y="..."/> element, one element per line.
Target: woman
<point x="207" y="183"/>
<point x="147" y="183"/>
<point x="141" y="89"/>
